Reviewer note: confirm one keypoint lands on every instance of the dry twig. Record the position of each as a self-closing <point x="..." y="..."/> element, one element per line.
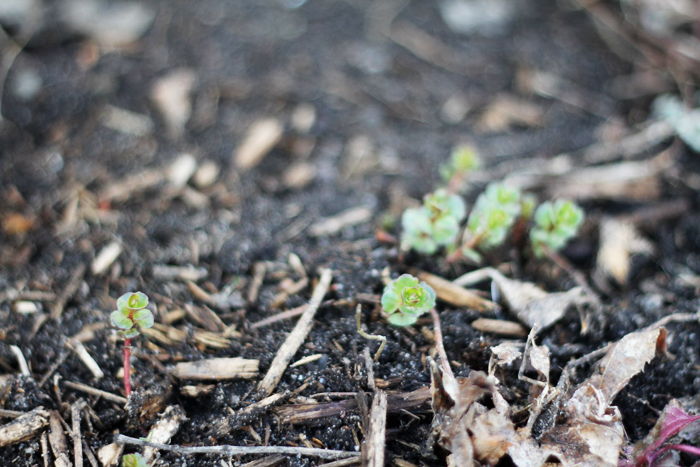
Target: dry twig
<point x="296" y="337"/>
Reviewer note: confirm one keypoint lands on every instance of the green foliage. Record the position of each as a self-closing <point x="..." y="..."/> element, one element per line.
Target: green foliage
<point x="555" y="224"/>
<point x="134" y="460"/>
<point x="434" y="224"/>
<point x="131" y="314"/>
<point x="462" y="160"/>
<point x="404" y="299"/>
<point x="489" y="223"/>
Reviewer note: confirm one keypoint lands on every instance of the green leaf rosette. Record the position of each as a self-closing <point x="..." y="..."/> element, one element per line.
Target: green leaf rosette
<point x="405" y="299"/>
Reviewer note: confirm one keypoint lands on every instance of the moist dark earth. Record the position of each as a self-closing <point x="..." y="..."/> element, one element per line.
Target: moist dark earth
<point x="376" y="138"/>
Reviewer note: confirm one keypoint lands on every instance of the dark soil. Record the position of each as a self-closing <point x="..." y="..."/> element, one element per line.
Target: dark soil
<point x="259" y="59"/>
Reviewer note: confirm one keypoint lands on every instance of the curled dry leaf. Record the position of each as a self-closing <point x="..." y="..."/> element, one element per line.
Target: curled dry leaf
<point x="619" y="240"/>
<point x="507" y="353"/>
<point x="532" y="305"/>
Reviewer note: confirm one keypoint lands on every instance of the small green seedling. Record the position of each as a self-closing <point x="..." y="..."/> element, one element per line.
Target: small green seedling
<point x="405" y="299"/>
<point x="130" y="316"/>
<point x="134" y="460"/>
<point x="463" y="160"/>
<point x="434" y="224"/>
<point x="555" y="224"/>
<point x="489" y="223"/>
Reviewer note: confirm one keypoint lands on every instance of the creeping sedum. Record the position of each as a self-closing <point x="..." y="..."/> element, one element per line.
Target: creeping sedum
<point x="134" y="460"/>
<point x="405" y="299"/>
<point x="131" y="314"/>
<point x="434" y="224"/>
<point x="555" y="224"/>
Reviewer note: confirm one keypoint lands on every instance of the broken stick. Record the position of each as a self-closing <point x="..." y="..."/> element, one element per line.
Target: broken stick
<point x="237" y="450"/>
<point x="24" y="427"/>
<point x="296" y="337"/>
<point x="374" y="454"/>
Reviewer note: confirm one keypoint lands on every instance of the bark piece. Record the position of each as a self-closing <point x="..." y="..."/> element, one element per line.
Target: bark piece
<point x="497" y="326"/>
<point x="374" y="452"/>
<point x="106" y="257"/>
<point x="57" y="439"/>
<point x="24" y="427"/>
<point x="164" y="429"/>
<point x="262" y="136"/>
<point x="109" y="455"/>
<point x="217" y="369"/>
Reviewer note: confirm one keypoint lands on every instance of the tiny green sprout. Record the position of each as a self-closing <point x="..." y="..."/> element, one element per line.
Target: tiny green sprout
<point x="405" y="299"/>
<point x="555" y="224"/>
<point x="494" y="213"/>
<point x="434" y="224"/>
<point x="463" y="159"/>
<point x="130" y="316"/>
<point x="134" y="460"/>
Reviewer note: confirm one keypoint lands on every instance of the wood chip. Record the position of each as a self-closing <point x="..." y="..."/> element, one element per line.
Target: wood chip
<point x="217" y="369"/>
<point x="24" y="427"/>
<point x="21" y="361"/>
<point x="164" y="429"/>
<point x="262" y="136"/>
<point x="171" y="96"/>
<point x="110" y="454"/>
<point x="181" y="170"/>
<point x="85" y="357"/>
<point x="126" y="121"/>
<point x="138" y="182"/>
<point x="57" y="439"/>
<point x="96" y="392"/>
<point x="204" y="316"/>
<point x="106" y="257"/>
<point x="347" y="218"/>
<point x="455" y="294"/>
<point x="75" y="413"/>
<point x="376" y="439"/>
<point x="500" y="327"/>
<point x="296" y="337"/>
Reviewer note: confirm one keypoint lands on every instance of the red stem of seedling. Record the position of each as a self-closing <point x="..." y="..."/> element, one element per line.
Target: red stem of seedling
<point x="127" y="366"/>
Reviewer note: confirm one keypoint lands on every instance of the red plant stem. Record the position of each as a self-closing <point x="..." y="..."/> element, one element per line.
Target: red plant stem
<point x="127" y="366"/>
<point x="439" y="344"/>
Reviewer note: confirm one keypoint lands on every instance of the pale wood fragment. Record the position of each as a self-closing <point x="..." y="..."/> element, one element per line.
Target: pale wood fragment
<point x="259" y="270"/>
<point x="262" y="136"/>
<point x="296" y="337"/>
<point x="45" y="448"/>
<point x="454" y="294"/>
<point x="374" y="452"/>
<point x="106" y="257"/>
<point x="110" y="454"/>
<point x="24" y="427"/>
<point x="164" y="429"/>
<point x="217" y="369"/>
<point x="347" y="218"/>
<point x="85" y="357"/>
<point x="497" y="326"/>
<point x="57" y="439"/>
<point x="23" y="367"/>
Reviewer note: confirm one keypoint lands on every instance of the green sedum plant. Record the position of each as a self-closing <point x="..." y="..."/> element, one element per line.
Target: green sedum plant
<point x="130" y="316"/>
<point x="134" y="460"/>
<point x="491" y="219"/>
<point x="434" y="224"/>
<point x="405" y="299"/>
<point x="463" y="160"/>
<point x="555" y="224"/>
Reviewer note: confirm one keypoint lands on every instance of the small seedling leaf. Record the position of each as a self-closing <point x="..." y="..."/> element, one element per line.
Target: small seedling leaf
<point x="121" y="321"/>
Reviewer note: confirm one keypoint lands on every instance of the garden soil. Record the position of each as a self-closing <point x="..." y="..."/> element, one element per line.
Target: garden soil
<point x="133" y="142"/>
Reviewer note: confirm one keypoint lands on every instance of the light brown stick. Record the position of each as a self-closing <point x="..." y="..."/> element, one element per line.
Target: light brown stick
<point x="58" y="442"/>
<point x="96" y="392"/>
<point x="75" y="416"/>
<point x="296" y="337"/>
<point x="377" y="431"/>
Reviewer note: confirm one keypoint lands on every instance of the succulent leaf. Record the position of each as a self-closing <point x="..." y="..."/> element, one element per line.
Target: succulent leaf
<point x="555" y="224"/>
<point x="119" y="320"/>
<point x="134" y="460"/>
<point x="405" y="299"/>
